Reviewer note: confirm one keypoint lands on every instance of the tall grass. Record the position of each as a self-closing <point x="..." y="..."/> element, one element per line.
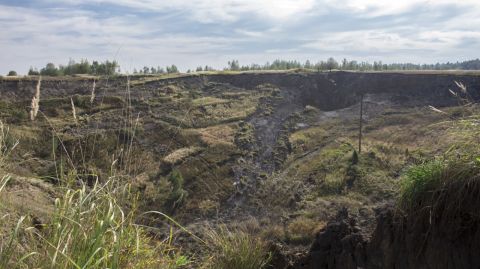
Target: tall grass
<point x="423" y="184"/>
<point x="7" y="242"/>
<point x="7" y="144"/>
<point x="465" y="102"/>
<point x="89" y="228"/>
<point x="35" y="104"/>
<point x="236" y="250"/>
<point x="418" y="180"/>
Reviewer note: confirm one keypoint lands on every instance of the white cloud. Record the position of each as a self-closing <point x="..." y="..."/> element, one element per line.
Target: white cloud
<point x="216" y="10"/>
<point x="250" y="30"/>
<point x="373" y="8"/>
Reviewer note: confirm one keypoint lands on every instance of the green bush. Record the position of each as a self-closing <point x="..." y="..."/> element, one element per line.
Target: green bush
<point x="18" y="116"/>
<point x="178" y="194"/>
<point x="354" y="159"/>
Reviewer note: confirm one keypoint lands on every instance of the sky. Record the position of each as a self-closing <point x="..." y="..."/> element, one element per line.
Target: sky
<point x="191" y="33"/>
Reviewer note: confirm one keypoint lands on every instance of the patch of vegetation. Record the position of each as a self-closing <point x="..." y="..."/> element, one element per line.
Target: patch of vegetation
<point x="306" y="139"/>
<point x="89" y="228"/>
<point x="423" y="184"/>
<point x="236" y="250"/>
<point x="301" y="230"/>
<point x="244" y="136"/>
<point x="209" y="101"/>
<point x="217" y="134"/>
<point x="178" y="194"/>
<point x="181" y="154"/>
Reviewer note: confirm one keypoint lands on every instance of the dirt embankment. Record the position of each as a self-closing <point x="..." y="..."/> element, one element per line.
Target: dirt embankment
<point x="327" y="91"/>
<point x="335" y="90"/>
<point x="444" y="235"/>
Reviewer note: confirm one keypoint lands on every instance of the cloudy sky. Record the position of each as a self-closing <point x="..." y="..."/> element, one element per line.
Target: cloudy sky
<point x="198" y="32"/>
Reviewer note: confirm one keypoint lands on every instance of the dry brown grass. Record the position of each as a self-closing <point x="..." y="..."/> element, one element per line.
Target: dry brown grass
<point x="217" y="134"/>
<point x="209" y="101"/>
<point x="35" y="104"/>
<point x="74" y="112"/>
<point x="181" y="154"/>
<point x="302" y="230"/>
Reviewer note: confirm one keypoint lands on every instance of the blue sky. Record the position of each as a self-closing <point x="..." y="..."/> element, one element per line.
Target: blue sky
<point x="190" y="33"/>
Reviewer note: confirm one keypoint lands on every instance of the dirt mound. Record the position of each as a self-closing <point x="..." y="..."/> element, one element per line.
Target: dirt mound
<point x="340" y="244"/>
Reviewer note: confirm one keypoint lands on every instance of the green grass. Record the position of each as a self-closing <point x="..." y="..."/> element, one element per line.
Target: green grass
<point x="420" y="179"/>
<point x="236" y="250"/>
<point x="90" y="229"/>
<point x="423" y="184"/>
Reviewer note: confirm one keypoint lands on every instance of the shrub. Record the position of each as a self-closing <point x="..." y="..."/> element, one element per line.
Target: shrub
<point x="18" y="115"/>
<point x="352" y="174"/>
<point x="178" y="194"/>
<point x="236" y="250"/>
<point x="354" y="159"/>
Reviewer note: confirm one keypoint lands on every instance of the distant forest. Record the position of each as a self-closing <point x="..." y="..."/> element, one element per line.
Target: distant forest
<point x="329" y="64"/>
<point x="107" y="68"/>
<point x="72" y="68"/>
<point x="345" y="64"/>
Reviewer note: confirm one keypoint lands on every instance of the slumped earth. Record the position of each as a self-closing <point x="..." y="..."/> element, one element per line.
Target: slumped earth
<point x="275" y="154"/>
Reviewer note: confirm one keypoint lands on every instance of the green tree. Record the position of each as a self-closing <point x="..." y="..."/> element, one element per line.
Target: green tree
<point x="344" y="64"/>
<point x="12" y="73"/>
<point x="33" y="72"/>
<point x="146" y="70"/>
<point x="83" y="67"/>
<point x="331" y="64"/>
<point x="50" y="70"/>
<point x="308" y="65"/>
<point x="172" y="69"/>
<point x="233" y="65"/>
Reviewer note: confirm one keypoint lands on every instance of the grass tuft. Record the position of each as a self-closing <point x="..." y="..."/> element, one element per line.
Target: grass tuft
<point x="425" y="184"/>
<point x="236" y="250"/>
<point x="90" y="229"/>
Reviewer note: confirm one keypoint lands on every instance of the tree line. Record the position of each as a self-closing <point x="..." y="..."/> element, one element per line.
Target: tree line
<point x="158" y="70"/>
<point x="331" y="64"/>
<point x="169" y="69"/>
<point x="106" y="68"/>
